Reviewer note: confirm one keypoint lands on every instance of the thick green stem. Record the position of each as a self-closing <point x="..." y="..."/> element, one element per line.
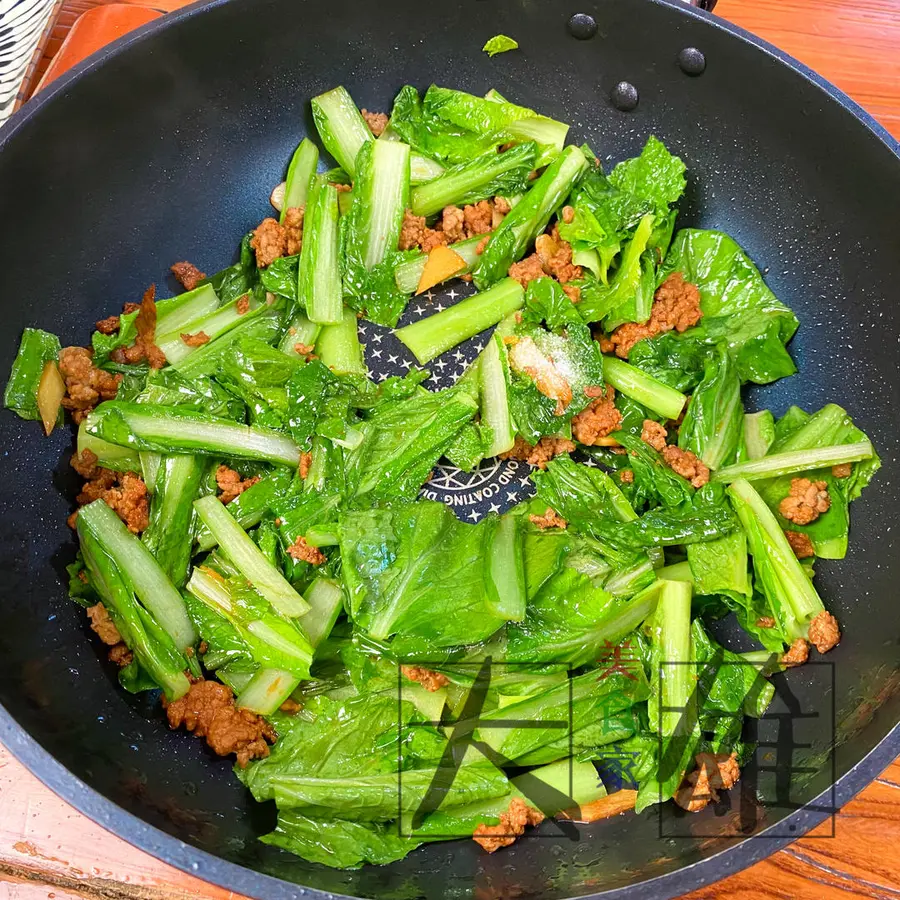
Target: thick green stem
<point x="266" y="691"/>
<point x="495" y="396"/>
<point x="430" y="337"/>
<point x="506" y="570"/>
<point x="637" y="384"/>
<point x="300" y="175"/>
<point x="792" y="461"/>
<point x="299" y="331"/>
<point x="319" y="275"/>
<point x="174" y="314"/>
<point x="339" y="347"/>
<point x="341" y="126"/>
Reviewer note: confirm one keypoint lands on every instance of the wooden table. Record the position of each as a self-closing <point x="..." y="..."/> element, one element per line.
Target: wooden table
<point x="47" y="850"/>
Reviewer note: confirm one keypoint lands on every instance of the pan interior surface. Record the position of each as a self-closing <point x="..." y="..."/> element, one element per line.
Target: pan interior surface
<point x="169" y="151"/>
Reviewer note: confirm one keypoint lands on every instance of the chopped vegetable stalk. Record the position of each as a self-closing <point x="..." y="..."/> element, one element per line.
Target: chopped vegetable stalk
<point x="174" y="429"/>
<point x="322" y="537"/>
<point x="548" y="134"/>
<point x="487" y="175"/>
<point x="339" y="348"/>
<point x="506" y="570"/>
<point x="266" y="691"/>
<point x="758" y="433"/>
<point x="142" y="571"/>
<point x="795" y="461"/>
<point x="299" y="176"/>
<point x="380" y="195"/>
<point x="51" y="390"/>
<point x="640" y="386"/>
<point x="422" y="169"/>
<point x="408" y="275"/>
<point x="529" y="217"/>
<point x="784" y="581"/>
<point x="441" y="265"/>
<point x="495" y="397"/>
<point x="212" y="325"/>
<point x="319" y="276"/>
<point x="249" y="559"/>
<point x="109" y="456"/>
<point x="431" y="336"/>
<point x="174" y="314"/>
<point x="341" y="126"/>
<point x="168" y="535"/>
<point x="300" y="332"/>
<point x="675" y="678"/>
<point x="326" y="601"/>
<point x="152" y="646"/>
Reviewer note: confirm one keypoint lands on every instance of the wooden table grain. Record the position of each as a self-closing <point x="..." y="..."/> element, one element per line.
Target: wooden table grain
<point x="48" y="850"/>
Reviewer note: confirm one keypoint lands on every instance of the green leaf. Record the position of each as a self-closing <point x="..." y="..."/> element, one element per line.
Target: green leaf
<point x="500" y="43"/>
<point x="655" y="176"/>
<point x="36" y="348"/>
<point x="104" y="344"/>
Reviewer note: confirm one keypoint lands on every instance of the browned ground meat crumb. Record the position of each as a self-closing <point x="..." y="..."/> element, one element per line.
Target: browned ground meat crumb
<point x="824" y="631"/>
<point x="431" y="681"/>
<point x="293" y="229"/>
<point x="478" y="218"/>
<point x="103" y="625"/>
<point x="550" y="519"/>
<point x="269" y="241"/>
<point x="121" y="655"/>
<point x="539" y="454"/>
<point x="124" y="492"/>
<point x="86" y="385"/>
<point x="626" y="476"/>
<point x="290" y="707"/>
<point x="568" y="214"/>
<point x="686" y="464"/>
<point x="654" y="434"/>
<point x="376" y="121"/>
<point x="144" y="347"/>
<point x="805" y="502"/>
<point x="842" y="471"/>
<point x="129" y="307"/>
<point x="302" y="552"/>
<point x="556" y="257"/>
<point x="342" y="188"/>
<point x="801" y="544"/>
<point x="573" y="292"/>
<point x="188" y="275"/>
<point x="796" y="655"/>
<point x="305" y="463"/>
<point x="208" y="710"/>
<point x="85" y="464"/>
<point x="109" y="325"/>
<point x="714" y="772"/>
<point x="512" y="823"/>
<point x="305" y="350"/>
<point x="482" y="244"/>
<point x="501" y="208"/>
<point x="765" y="622"/>
<point x="599" y="419"/>
<point x="231" y="484"/>
<point x="412" y="231"/>
<point x="195" y="340"/>
<point x="676" y="306"/>
<point x="454" y="224"/>
<point x="243" y="305"/>
<point x="527" y="269"/>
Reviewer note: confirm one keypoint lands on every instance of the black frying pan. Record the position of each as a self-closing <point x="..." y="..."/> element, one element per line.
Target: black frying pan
<point x="165" y="147"/>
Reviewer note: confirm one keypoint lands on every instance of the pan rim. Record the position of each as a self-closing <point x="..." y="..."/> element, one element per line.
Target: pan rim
<point x="235" y="877"/>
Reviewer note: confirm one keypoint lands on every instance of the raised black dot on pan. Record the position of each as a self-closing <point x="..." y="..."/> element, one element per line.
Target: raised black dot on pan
<point x="624" y="96"/>
<point x="691" y="61"/>
<point x="582" y="26"/>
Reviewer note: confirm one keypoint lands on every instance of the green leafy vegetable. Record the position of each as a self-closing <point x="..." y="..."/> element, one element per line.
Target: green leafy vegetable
<point x="500" y="43"/>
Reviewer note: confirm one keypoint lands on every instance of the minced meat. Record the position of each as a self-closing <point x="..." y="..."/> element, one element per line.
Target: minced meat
<point x="765" y="622"/>
<point x="121" y="655"/>
<point x="478" y="218"/>
<point x="512" y="824"/>
<point x="86" y="385"/>
<point x="842" y="470"/>
<point x="269" y="241"/>
<point x="714" y="772"/>
<point x="144" y="347"/>
<point x="198" y="339"/>
<point x="431" y="681"/>
<point x="796" y="655"/>
<point x="556" y="257"/>
<point x="103" y="625"/>
<point x="305" y="463"/>
<point x="376" y="121"/>
<point x="242" y="306"/>
<point x="599" y="419"/>
<point x="208" y="710"/>
<point x="231" y="484"/>
<point x="124" y="492"/>
<point x="676" y="306"/>
<point x="654" y="434"/>
<point x="302" y="552"/>
<point x="109" y="325"/>
<point x="188" y="275"/>
<point x="626" y="476"/>
<point x="686" y="464"/>
<point x="801" y="544"/>
<point x="293" y="229"/>
<point x="538" y="454"/>
<point x="824" y="631"/>
<point x="528" y="269"/>
<point x="805" y="502"/>
<point x="550" y="519"/>
<point x="454" y="224"/>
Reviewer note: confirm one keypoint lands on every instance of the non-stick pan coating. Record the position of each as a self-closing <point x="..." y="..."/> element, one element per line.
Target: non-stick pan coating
<point x="166" y="147"/>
